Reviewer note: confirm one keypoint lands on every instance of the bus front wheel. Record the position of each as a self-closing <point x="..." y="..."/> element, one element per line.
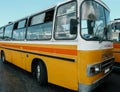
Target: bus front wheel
<point x="41" y="74"/>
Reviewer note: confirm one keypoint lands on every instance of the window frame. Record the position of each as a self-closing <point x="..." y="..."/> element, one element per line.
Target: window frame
<point x="55" y="23"/>
<point x="24" y="28"/>
<point x="11" y="32"/>
<point x="104" y="8"/>
<point x="29" y="24"/>
<point x="31" y="17"/>
<point x="38" y="39"/>
<point x="24" y="24"/>
<point x="2" y="32"/>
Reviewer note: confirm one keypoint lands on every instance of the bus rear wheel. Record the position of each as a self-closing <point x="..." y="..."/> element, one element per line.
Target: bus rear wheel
<point x="3" y="57"/>
<point x="41" y="74"/>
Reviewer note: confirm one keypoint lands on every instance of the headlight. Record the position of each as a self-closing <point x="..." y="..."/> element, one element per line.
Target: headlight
<point x="93" y="69"/>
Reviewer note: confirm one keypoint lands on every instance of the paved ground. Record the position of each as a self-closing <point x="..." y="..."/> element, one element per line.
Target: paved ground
<point x="13" y="79"/>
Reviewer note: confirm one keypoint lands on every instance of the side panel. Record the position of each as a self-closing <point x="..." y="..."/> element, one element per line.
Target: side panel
<point x="116" y="52"/>
<point x="17" y="59"/>
<point x="8" y="55"/>
<point x="60" y="60"/>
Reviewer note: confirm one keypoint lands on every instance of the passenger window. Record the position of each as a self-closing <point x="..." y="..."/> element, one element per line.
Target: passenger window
<point x="19" y="30"/>
<point x="22" y="24"/>
<point x="1" y="33"/>
<point x="37" y="19"/>
<point x="41" y="26"/>
<point x="8" y="32"/>
<point x="40" y="32"/>
<point x="49" y="16"/>
<point x="64" y="15"/>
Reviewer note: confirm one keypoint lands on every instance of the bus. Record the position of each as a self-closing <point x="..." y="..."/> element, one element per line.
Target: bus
<point x="115" y="24"/>
<point x="68" y="44"/>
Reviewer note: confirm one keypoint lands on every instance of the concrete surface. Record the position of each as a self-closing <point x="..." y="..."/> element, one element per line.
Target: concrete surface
<point x="14" y="79"/>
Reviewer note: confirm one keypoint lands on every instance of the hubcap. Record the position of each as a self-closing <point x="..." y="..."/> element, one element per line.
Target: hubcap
<point x="38" y="72"/>
<point x="3" y="58"/>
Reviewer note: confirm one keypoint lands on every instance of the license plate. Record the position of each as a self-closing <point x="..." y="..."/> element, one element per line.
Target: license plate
<point x="107" y="70"/>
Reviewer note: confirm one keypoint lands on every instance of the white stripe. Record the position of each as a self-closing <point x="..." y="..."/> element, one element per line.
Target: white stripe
<point x="82" y="45"/>
<point x="95" y="45"/>
<point x="44" y="42"/>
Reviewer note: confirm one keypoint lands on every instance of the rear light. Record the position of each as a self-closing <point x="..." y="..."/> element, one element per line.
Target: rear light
<point x="93" y="69"/>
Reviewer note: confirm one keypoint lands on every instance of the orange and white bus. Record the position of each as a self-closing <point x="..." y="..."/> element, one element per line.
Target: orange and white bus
<point x="116" y="41"/>
<point x="68" y="44"/>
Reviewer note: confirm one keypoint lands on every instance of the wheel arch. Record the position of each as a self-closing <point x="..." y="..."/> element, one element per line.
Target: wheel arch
<point x="1" y="53"/>
<point x="34" y="63"/>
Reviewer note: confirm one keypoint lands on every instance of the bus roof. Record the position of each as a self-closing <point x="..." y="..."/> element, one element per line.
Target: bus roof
<point x="115" y="21"/>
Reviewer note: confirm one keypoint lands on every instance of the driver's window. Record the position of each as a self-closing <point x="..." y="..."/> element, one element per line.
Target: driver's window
<point x="65" y="13"/>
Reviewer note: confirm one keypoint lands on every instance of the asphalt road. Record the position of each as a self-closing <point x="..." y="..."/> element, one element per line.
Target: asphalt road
<point x="14" y="79"/>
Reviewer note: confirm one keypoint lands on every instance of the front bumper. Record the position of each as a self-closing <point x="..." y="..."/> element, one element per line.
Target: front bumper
<point x="116" y="66"/>
<point x="89" y="88"/>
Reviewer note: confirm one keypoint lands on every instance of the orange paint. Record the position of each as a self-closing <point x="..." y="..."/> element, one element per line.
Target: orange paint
<point x="116" y="45"/>
<point x="43" y="49"/>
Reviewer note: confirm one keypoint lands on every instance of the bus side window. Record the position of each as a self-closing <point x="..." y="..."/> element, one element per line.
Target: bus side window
<point x="49" y="16"/>
<point x="19" y="30"/>
<point x="8" y="32"/>
<point x="1" y="33"/>
<point x="62" y="26"/>
<point x="40" y="26"/>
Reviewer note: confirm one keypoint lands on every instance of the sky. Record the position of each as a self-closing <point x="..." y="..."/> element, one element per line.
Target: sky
<point x="12" y="10"/>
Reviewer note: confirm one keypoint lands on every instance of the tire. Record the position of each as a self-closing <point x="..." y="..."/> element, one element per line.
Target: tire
<point x="41" y="74"/>
<point x="3" y="57"/>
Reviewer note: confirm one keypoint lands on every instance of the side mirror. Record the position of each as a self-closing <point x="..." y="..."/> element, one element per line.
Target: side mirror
<point x="73" y="26"/>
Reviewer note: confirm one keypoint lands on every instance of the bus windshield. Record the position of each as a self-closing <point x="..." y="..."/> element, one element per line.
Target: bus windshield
<point x="94" y="21"/>
<point x="116" y="31"/>
<point x="117" y="26"/>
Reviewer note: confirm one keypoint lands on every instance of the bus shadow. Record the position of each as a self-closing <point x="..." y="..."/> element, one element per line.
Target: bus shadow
<point x="17" y="80"/>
